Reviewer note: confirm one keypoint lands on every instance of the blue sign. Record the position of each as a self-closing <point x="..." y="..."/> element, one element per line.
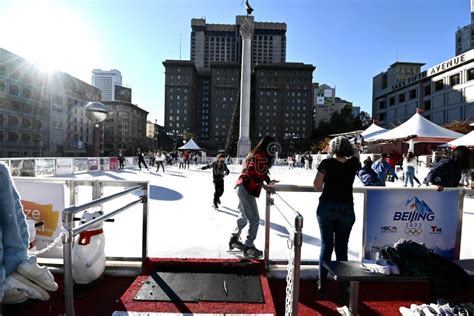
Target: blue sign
<point x="424" y="216"/>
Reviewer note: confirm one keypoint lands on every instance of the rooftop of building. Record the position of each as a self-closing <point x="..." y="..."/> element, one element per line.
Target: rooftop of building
<point x="201" y="22"/>
<point x="407" y="63"/>
<point x="289" y="65"/>
<point x="124" y="103"/>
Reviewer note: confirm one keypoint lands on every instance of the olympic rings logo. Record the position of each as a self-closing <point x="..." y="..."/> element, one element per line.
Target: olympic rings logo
<point x="412" y="231"/>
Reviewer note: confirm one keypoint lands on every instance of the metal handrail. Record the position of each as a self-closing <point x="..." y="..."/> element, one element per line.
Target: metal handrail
<point x="273" y="189"/>
<point x="68" y="217"/>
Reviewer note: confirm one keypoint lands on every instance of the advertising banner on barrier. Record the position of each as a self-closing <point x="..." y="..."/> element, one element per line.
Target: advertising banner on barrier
<point x="44" y="202"/>
<point x="64" y="167"/>
<point x="130" y="162"/>
<point x="45" y="167"/>
<point x="114" y="163"/>
<point x="428" y="217"/>
<point x="92" y="164"/>
<point x="104" y="163"/>
<point x="80" y="165"/>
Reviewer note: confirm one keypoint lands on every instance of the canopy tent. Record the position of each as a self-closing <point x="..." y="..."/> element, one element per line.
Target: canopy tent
<point x="418" y="129"/>
<point x="372" y="131"/>
<point x="466" y="140"/>
<point x="190" y="145"/>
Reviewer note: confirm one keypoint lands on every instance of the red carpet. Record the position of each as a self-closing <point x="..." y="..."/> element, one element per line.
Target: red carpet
<point x="114" y="294"/>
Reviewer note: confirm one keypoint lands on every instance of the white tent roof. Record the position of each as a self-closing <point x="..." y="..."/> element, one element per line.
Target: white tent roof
<point x="466" y="140"/>
<point x="372" y="131"/>
<point x="190" y="145"/>
<point x="425" y="131"/>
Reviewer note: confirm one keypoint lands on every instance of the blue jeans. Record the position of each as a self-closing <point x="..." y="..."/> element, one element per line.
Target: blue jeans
<point x="13" y="228"/>
<point x="248" y="213"/>
<point x="335" y="224"/>
<point x="409" y="174"/>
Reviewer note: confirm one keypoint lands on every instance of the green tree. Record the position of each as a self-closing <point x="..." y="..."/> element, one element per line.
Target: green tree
<point x="459" y="126"/>
<point x="233" y="133"/>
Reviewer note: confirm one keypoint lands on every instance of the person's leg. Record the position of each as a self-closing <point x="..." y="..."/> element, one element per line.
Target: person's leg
<point x="162" y="165"/>
<point x="216" y="193"/>
<point x="346" y="219"/>
<point x="405" y="181"/>
<point x="248" y="206"/>
<point x="416" y="180"/>
<point x="325" y="215"/>
<point x="241" y="222"/>
<point x="219" y="189"/>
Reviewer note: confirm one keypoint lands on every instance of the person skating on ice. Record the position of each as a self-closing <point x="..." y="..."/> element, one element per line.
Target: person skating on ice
<point x="255" y="171"/>
<point x="160" y="158"/>
<point x="141" y="159"/>
<point x="219" y="170"/>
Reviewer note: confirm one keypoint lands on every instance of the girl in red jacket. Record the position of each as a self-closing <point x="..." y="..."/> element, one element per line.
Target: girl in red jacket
<point x="255" y="171"/>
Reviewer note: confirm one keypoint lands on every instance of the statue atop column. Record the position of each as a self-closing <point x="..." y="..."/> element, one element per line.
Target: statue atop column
<point x="248" y="7"/>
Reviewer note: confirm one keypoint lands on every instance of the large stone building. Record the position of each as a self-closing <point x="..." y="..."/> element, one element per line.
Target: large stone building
<point x="200" y="94"/>
<point x="443" y="93"/>
<point x="124" y="128"/>
<point x="465" y="35"/>
<point x="222" y="43"/>
<point x="42" y="114"/>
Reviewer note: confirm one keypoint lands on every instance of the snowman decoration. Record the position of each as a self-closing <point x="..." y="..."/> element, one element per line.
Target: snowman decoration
<point x="88" y="257"/>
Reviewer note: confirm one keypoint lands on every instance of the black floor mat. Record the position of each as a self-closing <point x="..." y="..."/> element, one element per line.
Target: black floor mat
<point x="194" y="287"/>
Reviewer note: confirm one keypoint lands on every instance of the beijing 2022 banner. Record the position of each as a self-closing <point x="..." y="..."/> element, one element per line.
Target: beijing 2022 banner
<point x="424" y="216"/>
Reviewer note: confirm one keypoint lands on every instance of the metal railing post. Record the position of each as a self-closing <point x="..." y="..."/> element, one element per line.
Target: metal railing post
<point x="298" y="242"/>
<point x="67" y="257"/>
<point x="266" y="257"/>
<point x="145" y="226"/>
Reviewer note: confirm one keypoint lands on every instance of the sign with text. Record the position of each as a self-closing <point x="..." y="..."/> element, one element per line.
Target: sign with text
<point x="64" y="167"/>
<point x="44" y="202"/>
<point x="427" y="217"/>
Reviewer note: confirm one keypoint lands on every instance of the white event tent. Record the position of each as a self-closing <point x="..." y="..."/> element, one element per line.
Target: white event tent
<point x="190" y="145"/>
<point x="372" y="131"/>
<point x="417" y="129"/>
<point x="466" y="140"/>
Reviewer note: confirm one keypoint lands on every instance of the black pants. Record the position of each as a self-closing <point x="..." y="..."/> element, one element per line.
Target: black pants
<point x="140" y="162"/>
<point x="158" y="164"/>
<point x="218" y="189"/>
<point x="121" y="163"/>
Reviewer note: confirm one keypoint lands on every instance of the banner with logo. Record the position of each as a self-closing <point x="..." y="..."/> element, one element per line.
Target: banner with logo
<point x="424" y="216"/>
<point x="92" y="164"/>
<point x="44" y="202"/>
<point x="64" y="167"/>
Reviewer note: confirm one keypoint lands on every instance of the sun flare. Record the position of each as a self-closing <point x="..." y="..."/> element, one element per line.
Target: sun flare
<point x="50" y="35"/>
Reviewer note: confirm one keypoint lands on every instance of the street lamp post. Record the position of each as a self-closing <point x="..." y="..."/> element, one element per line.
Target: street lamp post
<point x="96" y="112"/>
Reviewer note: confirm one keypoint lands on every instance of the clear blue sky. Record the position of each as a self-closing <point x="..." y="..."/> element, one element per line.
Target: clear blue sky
<point x="349" y="41"/>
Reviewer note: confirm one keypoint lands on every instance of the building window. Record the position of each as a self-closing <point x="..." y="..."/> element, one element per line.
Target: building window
<point x="439" y="85"/>
<point x="401" y="98"/>
<point x="382" y="105"/>
<point x="391" y="101"/>
<point x="381" y="116"/>
<point x="427" y="90"/>
<point x="412" y="94"/>
<point x="427" y="105"/>
<point x="455" y="79"/>
<point x="470" y="74"/>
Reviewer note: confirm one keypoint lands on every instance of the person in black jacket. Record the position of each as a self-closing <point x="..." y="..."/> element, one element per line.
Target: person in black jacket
<point x="448" y="171"/>
<point x="367" y="175"/>
<point x="219" y="170"/>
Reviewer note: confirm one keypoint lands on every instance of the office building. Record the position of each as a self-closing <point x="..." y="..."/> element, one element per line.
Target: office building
<point x="106" y="80"/>
<point x="326" y="103"/>
<point x="42" y="114"/>
<point x="124" y="128"/>
<point x="443" y="93"/>
<point x="465" y="35"/>
<point x="222" y="43"/>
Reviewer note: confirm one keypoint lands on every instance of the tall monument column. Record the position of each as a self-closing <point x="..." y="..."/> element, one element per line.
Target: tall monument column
<point x="246" y="30"/>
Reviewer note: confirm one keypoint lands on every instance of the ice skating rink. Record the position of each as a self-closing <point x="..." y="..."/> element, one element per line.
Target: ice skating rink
<point x="183" y="224"/>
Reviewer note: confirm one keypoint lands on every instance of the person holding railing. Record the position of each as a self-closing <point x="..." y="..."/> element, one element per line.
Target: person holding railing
<point x="255" y="171"/>
<point x="20" y="276"/>
<point x="335" y="212"/>
<point x="448" y="171"/>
